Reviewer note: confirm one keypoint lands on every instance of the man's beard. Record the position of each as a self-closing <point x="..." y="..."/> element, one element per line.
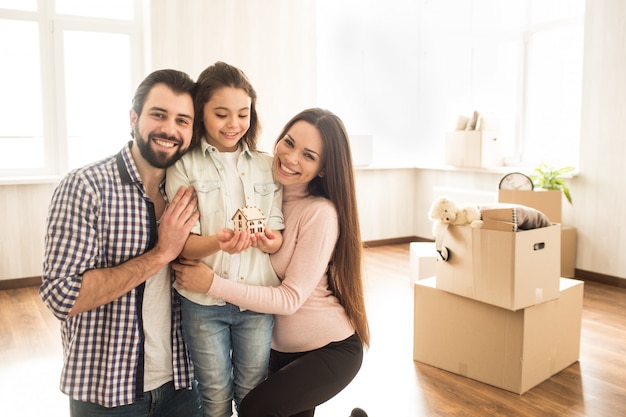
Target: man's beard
<point x="157" y="159"/>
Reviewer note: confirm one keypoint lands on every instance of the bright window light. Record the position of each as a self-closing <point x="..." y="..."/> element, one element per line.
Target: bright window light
<point x="21" y="117"/>
<point x="25" y="5"/>
<point x="97" y="86"/>
<point x="67" y="82"/>
<point x="108" y="9"/>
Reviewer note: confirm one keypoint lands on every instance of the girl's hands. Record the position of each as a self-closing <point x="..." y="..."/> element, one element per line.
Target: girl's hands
<point x="268" y="242"/>
<point x="233" y="242"/>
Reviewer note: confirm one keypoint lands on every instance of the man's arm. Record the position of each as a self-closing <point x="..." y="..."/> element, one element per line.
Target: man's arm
<point x="101" y="286"/>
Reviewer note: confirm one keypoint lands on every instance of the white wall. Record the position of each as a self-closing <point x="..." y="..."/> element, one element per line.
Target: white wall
<point x="599" y="192"/>
<point x="272" y="41"/>
<point x="386" y="203"/>
<point x="367" y="61"/>
<point x="23" y="209"/>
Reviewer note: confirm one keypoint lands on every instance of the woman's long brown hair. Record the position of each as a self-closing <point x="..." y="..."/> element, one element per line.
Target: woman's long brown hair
<point x="337" y="185"/>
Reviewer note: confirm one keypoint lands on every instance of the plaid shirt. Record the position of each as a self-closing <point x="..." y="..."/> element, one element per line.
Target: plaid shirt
<point x="100" y="217"/>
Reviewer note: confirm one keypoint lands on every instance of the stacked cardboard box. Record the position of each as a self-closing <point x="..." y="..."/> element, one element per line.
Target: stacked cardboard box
<point x="512" y="350"/>
<point x="512" y="270"/>
<point x="498" y="310"/>
<point x="549" y="202"/>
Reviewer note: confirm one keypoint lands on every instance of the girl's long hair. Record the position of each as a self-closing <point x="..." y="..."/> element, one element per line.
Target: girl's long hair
<point x="337" y="185"/>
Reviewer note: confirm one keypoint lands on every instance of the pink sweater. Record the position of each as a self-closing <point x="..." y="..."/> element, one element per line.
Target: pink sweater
<point x="307" y="314"/>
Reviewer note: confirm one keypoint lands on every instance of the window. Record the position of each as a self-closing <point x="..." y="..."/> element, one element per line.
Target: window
<point x="404" y="71"/>
<point x="68" y="74"/>
<point x="519" y="63"/>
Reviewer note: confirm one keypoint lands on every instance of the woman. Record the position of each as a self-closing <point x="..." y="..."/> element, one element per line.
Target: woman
<point x="320" y="319"/>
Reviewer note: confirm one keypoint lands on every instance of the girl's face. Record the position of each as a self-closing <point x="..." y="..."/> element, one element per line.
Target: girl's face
<point x="226" y="118"/>
<point x="298" y="155"/>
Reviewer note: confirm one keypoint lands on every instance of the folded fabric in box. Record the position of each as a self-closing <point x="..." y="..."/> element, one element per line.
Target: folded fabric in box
<point x="512" y="217"/>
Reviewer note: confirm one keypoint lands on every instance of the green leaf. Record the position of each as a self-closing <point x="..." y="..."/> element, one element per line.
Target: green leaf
<point x="550" y="178"/>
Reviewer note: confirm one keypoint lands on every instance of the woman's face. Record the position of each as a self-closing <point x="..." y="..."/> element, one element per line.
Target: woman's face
<point x="226" y="118"/>
<point x="298" y="155"/>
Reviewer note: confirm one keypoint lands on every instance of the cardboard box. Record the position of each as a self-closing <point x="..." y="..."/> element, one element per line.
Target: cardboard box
<point x="568" y="251"/>
<point x="512" y="350"/>
<point x="549" y="202"/>
<point x="422" y="259"/>
<point x="512" y="270"/>
<point x="473" y="148"/>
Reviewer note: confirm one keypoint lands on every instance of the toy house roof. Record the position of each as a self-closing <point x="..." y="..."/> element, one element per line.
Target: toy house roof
<point x="250" y="213"/>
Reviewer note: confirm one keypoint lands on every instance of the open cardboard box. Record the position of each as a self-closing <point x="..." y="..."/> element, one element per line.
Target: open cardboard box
<point x="511" y="270"/>
<point x="549" y="202"/>
<point x="512" y="350"/>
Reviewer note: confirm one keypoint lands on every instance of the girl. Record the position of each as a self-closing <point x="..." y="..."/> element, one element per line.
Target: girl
<point x="320" y="319"/>
<point x="229" y="346"/>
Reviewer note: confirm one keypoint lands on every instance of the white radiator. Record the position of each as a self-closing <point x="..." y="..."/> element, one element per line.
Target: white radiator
<point x="465" y="196"/>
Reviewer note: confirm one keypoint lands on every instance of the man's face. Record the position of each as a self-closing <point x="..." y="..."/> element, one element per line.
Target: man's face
<point x="163" y="130"/>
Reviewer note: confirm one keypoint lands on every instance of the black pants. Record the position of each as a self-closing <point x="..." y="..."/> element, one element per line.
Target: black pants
<point x="298" y="382"/>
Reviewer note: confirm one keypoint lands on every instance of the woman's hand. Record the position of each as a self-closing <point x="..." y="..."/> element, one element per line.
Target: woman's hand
<point x="193" y="276"/>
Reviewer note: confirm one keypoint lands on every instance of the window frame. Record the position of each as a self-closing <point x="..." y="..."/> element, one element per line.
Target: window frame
<point x="521" y="140"/>
<point x="460" y="33"/>
<point x="51" y="28"/>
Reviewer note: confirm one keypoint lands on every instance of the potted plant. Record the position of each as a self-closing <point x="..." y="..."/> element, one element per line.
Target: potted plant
<point x="549" y="178"/>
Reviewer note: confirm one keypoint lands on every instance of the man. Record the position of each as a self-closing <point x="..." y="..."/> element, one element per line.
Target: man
<point x="110" y="238"/>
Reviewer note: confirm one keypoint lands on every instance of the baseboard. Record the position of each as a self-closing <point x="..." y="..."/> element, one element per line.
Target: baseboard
<point x="394" y="241"/>
<point x="600" y="278"/>
<point x="12" y="284"/>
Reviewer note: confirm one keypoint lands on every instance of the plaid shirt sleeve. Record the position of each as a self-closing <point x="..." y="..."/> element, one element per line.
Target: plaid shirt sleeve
<point x="70" y="244"/>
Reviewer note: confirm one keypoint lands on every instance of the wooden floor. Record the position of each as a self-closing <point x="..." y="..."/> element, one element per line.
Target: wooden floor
<point x="390" y="382"/>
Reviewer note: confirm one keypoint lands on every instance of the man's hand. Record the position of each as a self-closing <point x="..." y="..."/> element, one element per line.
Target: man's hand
<point x="176" y="223"/>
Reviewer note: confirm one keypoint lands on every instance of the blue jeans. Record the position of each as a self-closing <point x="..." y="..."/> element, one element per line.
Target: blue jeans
<point x="230" y="351"/>
<point x="164" y="401"/>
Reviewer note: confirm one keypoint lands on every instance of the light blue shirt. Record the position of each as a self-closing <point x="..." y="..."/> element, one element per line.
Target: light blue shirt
<point x="203" y="168"/>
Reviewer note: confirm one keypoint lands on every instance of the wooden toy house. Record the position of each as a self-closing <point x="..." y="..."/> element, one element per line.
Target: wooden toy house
<point x="249" y="218"/>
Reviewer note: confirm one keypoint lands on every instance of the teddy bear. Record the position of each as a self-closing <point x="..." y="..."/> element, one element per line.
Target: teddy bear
<point x="445" y="212"/>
